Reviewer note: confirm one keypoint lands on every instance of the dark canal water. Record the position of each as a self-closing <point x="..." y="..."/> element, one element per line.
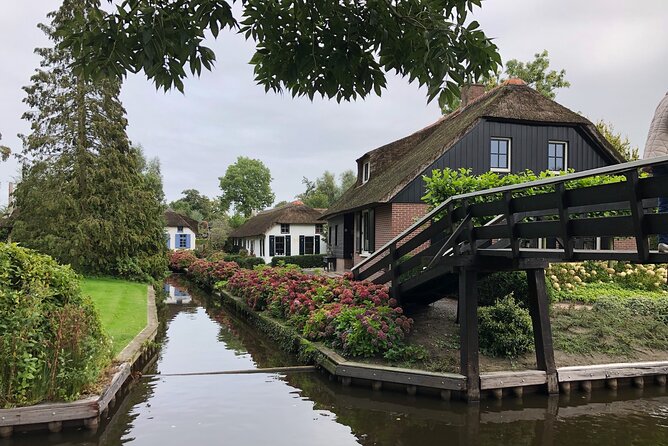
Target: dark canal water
<point x="309" y="409"/>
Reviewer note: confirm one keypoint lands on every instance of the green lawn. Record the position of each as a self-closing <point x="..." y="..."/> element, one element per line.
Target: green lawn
<point x="122" y="308"/>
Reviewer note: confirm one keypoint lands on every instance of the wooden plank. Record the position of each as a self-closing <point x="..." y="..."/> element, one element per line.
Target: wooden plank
<point x="468" y="329"/>
<point x="46" y="413"/>
<point x="537" y="229"/>
<point x="488" y="209"/>
<point x="426" y="235"/>
<point x="602" y="227"/>
<point x="656" y="223"/>
<point x="380" y="263"/>
<point x="653" y="187"/>
<point x="539" y="304"/>
<point x="511" y="223"/>
<point x="592" y="195"/>
<point x="611" y="371"/>
<point x="503" y="380"/>
<point x="557" y="255"/>
<point x="123" y="372"/>
<point x="540" y="202"/>
<point x="396" y="375"/>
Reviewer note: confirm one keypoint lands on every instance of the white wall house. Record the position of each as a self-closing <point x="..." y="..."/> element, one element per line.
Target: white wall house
<point x="293" y="229"/>
<point x="181" y="231"/>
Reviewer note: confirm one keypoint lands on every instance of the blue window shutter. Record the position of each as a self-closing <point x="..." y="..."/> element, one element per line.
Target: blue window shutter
<point x="288" y="246"/>
<point x="316" y="244"/>
<point x="187" y="236"/>
<point x="167" y="238"/>
<point x="301" y="245"/>
<point x="272" y="246"/>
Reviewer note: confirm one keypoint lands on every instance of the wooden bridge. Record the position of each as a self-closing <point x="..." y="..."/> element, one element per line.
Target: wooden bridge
<point x="469" y="235"/>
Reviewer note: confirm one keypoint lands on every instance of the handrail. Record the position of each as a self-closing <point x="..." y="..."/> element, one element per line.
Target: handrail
<point x="607" y="170"/>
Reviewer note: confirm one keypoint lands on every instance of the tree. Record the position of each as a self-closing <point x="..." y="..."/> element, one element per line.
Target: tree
<point x="534" y="73"/>
<point x="87" y="197"/>
<point x="4" y="151"/>
<point x="195" y="205"/>
<point x="324" y="191"/>
<point x="335" y="49"/>
<point x="618" y="142"/>
<point x="246" y="185"/>
<point x="348" y="180"/>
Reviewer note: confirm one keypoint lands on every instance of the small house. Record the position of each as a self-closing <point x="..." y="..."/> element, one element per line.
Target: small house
<point x="292" y="229"/>
<point x="181" y="231"/>
<point x="511" y="128"/>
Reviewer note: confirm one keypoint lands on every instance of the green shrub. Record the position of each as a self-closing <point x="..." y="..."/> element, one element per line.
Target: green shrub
<point x="52" y="346"/>
<point x="243" y="260"/>
<point x="306" y="261"/>
<point x="498" y="285"/>
<point x="505" y="329"/>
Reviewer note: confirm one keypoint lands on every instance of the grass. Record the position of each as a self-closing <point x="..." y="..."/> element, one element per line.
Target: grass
<point x="122" y="308"/>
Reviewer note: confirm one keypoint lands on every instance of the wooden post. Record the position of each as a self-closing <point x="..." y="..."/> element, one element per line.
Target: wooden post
<point x="542" y="331"/>
<point x="566" y="240"/>
<point x="510" y="222"/>
<point x="637" y="213"/>
<point x="468" y="330"/>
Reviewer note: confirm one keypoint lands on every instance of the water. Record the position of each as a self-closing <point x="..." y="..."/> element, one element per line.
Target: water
<point x="309" y="409"/>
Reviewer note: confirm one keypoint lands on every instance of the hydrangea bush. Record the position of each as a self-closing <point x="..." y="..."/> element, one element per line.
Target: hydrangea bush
<point x="357" y="317"/>
<point x="565" y="277"/>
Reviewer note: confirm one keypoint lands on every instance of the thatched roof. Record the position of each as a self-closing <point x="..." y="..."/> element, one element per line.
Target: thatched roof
<point x="174" y="219"/>
<point x="291" y="213"/>
<point x="395" y="165"/>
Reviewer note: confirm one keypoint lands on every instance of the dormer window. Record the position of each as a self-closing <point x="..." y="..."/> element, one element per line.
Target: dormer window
<point x="366" y="171"/>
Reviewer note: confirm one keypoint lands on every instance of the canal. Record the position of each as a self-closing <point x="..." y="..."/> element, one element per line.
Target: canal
<point x="309" y="409"/>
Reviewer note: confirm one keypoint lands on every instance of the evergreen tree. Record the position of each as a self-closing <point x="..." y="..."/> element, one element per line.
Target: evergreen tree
<point x="87" y="197"/>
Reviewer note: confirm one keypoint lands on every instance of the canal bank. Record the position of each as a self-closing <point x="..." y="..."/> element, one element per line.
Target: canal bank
<point x="87" y="411"/>
<point x="495" y="385"/>
<point x="310" y="408"/>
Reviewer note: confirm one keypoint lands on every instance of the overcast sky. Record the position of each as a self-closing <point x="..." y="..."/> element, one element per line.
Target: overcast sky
<point x="615" y="53"/>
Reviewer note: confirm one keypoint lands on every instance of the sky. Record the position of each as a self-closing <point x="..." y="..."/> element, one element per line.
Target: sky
<point x="615" y="53"/>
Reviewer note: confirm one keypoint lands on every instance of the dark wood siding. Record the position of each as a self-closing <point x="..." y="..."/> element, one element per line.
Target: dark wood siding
<point x="337" y="249"/>
<point x="528" y="151"/>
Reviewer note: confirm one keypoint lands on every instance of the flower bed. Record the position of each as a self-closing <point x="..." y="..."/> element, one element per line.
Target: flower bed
<point x="359" y="318"/>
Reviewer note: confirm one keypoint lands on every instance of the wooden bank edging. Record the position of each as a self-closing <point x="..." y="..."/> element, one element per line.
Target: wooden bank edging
<point x="494" y="383"/>
<point x="86" y="411"/>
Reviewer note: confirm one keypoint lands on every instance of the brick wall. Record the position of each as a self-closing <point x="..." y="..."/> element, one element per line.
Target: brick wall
<point x="625" y="244"/>
<point x="405" y="214"/>
<point x="383" y="226"/>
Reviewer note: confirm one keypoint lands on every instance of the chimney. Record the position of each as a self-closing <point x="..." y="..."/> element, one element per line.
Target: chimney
<point x="471" y="92"/>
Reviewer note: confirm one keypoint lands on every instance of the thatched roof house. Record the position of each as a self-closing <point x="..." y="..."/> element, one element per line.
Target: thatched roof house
<point x="511" y="128"/>
<point x="290" y="229"/>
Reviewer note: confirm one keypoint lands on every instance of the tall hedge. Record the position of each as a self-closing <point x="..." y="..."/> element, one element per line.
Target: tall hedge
<point x="52" y="346"/>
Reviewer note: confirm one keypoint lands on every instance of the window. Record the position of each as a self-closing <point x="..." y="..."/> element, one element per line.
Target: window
<point x="182" y="240"/>
<point x="179" y="229"/>
<point x="556" y="156"/>
<point x="280" y="246"/>
<point x="262" y="242"/>
<point x="500" y="155"/>
<point x="319" y="228"/>
<point x="309" y="245"/>
<point x="252" y="247"/>
<point x="336" y="235"/>
<point x="366" y="172"/>
<point x="366" y="231"/>
<point x="285" y="228"/>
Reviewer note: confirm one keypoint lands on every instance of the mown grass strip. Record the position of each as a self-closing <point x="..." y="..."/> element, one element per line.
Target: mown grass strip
<point x="122" y="308"/>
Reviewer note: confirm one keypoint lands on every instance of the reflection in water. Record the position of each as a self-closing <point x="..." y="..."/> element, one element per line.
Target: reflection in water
<point x="176" y="295"/>
<point x="309" y="409"/>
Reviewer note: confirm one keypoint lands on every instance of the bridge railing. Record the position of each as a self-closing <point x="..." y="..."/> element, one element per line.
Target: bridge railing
<point x="548" y="208"/>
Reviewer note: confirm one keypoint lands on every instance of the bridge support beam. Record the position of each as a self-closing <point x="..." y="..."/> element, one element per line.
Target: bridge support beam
<point x="468" y="332"/>
<point x="542" y="330"/>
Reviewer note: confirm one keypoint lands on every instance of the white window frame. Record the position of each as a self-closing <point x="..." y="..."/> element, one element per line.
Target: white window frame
<point x="565" y="143"/>
<point x="366" y="171"/>
<point x="510" y="152"/>
<point x="363" y="234"/>
<point x="321" y="227"/>
<point x="288" y="226"/>
<point x="312" y="237"/>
